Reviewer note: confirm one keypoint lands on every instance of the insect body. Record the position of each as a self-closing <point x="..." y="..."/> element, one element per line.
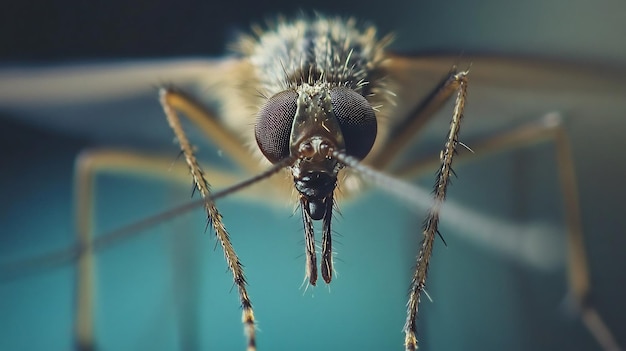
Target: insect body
<point x="316" y="120"/>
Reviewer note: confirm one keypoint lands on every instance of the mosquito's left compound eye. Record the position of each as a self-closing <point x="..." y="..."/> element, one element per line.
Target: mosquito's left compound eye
<point x="273" y="125"/>
<point x="357" y="120"/>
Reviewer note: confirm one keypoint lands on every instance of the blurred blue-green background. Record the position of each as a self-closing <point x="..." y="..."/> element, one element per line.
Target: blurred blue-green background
<point x="168" y="289"/>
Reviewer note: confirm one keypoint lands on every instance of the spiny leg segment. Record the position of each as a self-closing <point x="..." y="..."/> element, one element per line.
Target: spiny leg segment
<point x="431" y="223"/>
<point x="406" y="191"/>
<point x="170" y="100"/>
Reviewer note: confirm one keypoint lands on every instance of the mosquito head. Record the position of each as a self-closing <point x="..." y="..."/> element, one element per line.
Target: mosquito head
<point x="308" y="123"/>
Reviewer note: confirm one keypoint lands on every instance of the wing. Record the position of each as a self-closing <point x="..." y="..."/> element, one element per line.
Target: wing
<point x="504" y="92"/>
<point x="110" y="103"/>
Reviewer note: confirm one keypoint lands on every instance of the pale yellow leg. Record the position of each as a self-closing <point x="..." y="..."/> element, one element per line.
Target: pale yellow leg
<point x="88" y="166"/>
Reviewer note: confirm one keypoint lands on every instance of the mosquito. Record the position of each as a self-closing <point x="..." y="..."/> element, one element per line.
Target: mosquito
<point x="323" y="96"/>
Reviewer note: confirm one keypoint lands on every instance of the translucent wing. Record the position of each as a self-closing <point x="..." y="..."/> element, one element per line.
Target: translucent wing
<point x="106" y="103"/>
<point x="505" y="92"/>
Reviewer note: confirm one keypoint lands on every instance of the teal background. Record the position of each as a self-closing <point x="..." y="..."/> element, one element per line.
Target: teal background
<point x="168" y="289"/>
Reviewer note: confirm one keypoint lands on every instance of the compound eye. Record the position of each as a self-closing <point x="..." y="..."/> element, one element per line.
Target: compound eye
<point x="273" y="125"/>
<point x="356" y="119"/>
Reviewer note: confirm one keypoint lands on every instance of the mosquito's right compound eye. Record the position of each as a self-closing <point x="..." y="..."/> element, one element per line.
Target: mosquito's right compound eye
<point x="274" y="123"/>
